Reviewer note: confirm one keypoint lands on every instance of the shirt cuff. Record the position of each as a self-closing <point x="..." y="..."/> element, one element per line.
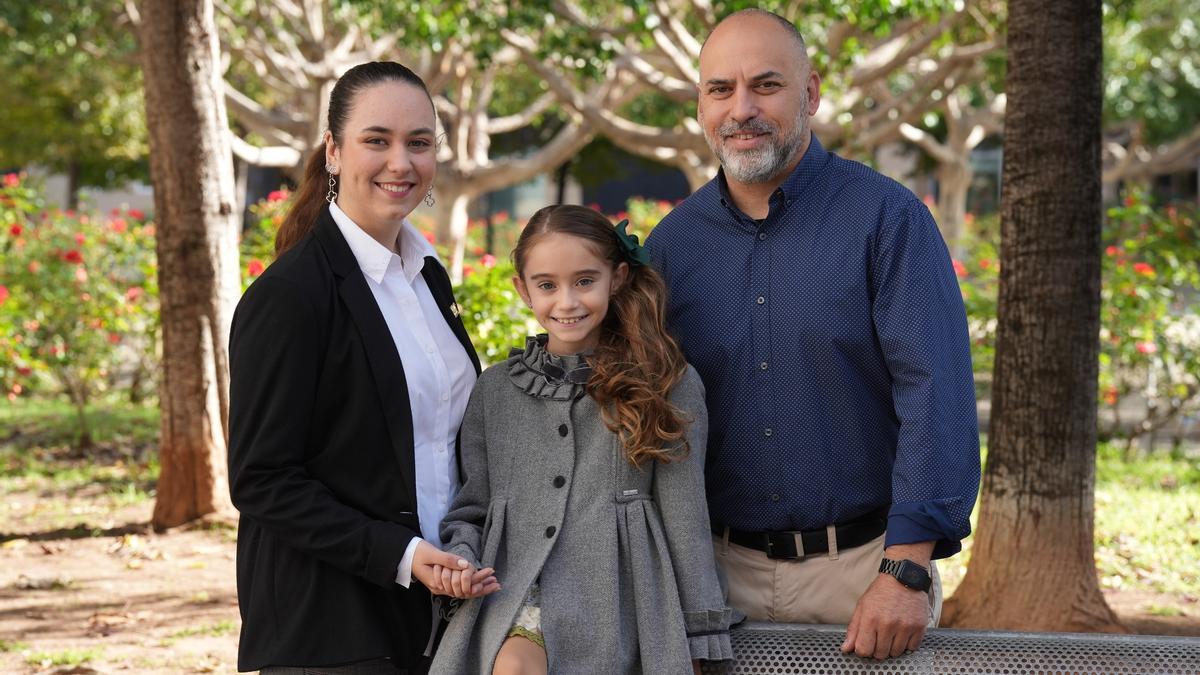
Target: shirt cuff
<point x="907" y="526"/>
<point x="404" y="569"/>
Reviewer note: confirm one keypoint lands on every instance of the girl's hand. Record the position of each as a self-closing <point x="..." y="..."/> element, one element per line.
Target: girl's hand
<point x="426" y="558"/>
<point x="467" y="582"/>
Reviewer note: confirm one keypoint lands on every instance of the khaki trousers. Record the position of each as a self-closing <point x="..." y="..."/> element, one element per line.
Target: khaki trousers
<point x="822" y="589"/>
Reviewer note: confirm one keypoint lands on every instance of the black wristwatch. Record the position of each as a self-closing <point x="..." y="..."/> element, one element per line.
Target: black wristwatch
<point x="908" y="573"/>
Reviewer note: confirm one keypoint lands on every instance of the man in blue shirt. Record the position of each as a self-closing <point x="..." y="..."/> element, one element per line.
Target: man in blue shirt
<point x="818" y="302"/>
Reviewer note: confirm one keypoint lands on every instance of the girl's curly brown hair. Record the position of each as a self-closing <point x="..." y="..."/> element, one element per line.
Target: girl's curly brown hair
<point x="636" y="363"/>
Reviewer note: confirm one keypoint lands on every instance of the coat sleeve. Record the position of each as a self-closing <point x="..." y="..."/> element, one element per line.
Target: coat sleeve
<point x="462" y="528"/>
<point x="679" y="493"/>
<point x="274" y="357"/>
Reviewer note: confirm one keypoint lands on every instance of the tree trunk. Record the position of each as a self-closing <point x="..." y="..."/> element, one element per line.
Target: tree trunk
<point x="1032" y="567"/>
<point x="954" y="180"/>
<point x="73" y="172"/>
<point x="192" y="173"/>
<point x="452" y="220"/>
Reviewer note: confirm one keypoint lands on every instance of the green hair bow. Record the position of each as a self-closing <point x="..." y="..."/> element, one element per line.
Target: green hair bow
<point x="635" y="253"/>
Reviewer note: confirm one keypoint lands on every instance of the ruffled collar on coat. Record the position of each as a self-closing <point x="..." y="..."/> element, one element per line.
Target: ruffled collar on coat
<point x="539" y="373"/>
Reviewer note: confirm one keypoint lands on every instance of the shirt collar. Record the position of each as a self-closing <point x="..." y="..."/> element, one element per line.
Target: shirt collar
<point x="810" y="165"/>
<point x="375" y="258"/>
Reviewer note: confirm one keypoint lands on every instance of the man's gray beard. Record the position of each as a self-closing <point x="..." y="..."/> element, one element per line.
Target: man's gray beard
<point x="763" y="164"/>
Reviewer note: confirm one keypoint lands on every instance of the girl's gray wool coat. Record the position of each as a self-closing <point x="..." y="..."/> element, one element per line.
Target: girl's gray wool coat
<point x="623" y="555"/>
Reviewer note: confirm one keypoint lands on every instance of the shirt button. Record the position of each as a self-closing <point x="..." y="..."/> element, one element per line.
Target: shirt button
<point x="559" y="481"/>
<point x="762" y="236"/>
<point x="445" y="396"/>
<point x="761" y="300"/>
<point x="562" y="430"/>
<point x="767" y="431"/>
<point x="763" y="365"/>
<point x="775" y="497"/>
<point x="550" y="531"/>
<point x="428" y="349"/>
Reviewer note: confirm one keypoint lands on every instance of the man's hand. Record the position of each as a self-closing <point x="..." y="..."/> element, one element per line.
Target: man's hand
<point x="890" y="618"/>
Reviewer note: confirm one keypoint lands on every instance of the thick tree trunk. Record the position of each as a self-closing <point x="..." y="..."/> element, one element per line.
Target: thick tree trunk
<point x="190" y="164"/>
<point x="1032" y="567"/>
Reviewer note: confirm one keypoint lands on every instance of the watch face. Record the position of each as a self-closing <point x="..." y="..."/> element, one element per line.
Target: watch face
<point x="913" y="576"/>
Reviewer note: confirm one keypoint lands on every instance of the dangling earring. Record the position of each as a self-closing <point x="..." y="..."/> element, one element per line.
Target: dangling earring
<point x="332" y="194"/>
<point x="429" y="200"/>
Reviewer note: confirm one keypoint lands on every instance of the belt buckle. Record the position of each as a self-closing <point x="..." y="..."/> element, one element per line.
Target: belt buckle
<point x="797" y="552"/>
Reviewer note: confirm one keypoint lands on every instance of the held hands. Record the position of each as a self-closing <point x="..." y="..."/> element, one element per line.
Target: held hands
<point x="447" y="574"/>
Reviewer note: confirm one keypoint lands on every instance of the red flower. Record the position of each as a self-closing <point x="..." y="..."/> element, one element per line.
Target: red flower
<point x="969" y="218"/>
<point x="277" y="195"/>
<point x="24" y="371"/>
<point x="959" y="268"/>
<point x="15" y="229"/>
<point x="118" y="225"/>
<point x="255" y="267"/>
<point x="1110" y="395"/>
<point x="468" y="271"/>
<point x="429" y="237"/>
<point x="501" y="216"/>
<point x="985" y="264"/>
<point x="11" y="180"/>
<point x="34" y="267"/>
<point x="137" y="214"/>
<point x="1147" y="348"/>
<point x="80" y="239"/>
<point x="73" y="256"/>
<point x="488" y="261"/>
<point x="3" y="294"/>
<point x="1143" y="269"/>
<point x="1130" y="200"/>
<point x="114" y="338"/>
<point x="1112" y="251"/>
<point x="133" y="293"/>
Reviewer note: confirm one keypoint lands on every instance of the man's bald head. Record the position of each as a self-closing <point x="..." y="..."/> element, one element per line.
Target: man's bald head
<point x="763" y="15"/>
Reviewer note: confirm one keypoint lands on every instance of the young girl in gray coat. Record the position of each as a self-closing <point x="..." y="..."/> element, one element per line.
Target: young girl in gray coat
<point x="583" y="468"/>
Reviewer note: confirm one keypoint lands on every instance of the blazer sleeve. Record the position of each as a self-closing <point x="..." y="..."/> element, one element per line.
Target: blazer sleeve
<point x="462" y="528"/>
<point x="679" y="493"/>
<point x="275" y="354"/>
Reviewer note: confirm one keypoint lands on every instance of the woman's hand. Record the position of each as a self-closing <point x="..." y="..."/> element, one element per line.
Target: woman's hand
<point x="426" y="558"/>
<point x="468" y="582"/>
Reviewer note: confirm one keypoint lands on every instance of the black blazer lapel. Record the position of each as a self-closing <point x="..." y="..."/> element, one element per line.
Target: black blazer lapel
<point x="443" y="294"/>
<point x="387" y="370"/>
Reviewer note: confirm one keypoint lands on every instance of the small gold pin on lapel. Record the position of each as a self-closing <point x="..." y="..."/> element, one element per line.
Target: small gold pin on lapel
<point x="455" y="309"/>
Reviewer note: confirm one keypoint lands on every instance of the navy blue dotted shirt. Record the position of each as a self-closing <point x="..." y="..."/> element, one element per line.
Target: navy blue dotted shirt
<point x="832" y="342"/>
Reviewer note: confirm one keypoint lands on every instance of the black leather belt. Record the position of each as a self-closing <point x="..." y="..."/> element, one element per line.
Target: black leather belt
<point x="795" y="545"/>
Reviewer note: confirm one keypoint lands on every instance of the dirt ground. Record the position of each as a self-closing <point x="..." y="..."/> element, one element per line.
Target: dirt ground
<point x="107" y="595"/>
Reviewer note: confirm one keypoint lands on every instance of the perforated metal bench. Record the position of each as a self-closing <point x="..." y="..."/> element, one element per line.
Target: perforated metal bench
<point x="785" y="649"/>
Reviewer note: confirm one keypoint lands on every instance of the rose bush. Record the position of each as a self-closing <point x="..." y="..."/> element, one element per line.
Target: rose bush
<point x="81" y="308"/>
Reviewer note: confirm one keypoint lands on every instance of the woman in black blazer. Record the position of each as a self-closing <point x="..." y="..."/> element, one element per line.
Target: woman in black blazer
<point x="335" y="416"/>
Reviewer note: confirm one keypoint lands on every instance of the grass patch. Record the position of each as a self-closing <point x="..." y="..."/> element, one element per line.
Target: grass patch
<point x="7" y="646"/>
<point x="1147" y="525"/>
<point x="218" y="629"/>
<point x="67" y="657"/>
<point x="39" y="422"/>
<point x="37" y="453"/>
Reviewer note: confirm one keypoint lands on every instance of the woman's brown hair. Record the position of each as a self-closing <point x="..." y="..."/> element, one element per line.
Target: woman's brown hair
<point x="636" y="363"/>
<point x="314" y="184"/>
